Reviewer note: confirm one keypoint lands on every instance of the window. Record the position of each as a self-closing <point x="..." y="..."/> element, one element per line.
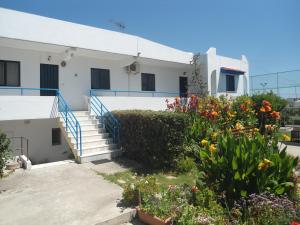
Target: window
<point x="100" y="79"/>
<point x="9" y="73"/>
<point x="148" y="82"/>
<point x="56" y="136"/>
<point x="230" y="83"/>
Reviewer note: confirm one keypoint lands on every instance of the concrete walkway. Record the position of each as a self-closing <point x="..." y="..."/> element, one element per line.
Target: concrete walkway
<point x="70" y="194"/>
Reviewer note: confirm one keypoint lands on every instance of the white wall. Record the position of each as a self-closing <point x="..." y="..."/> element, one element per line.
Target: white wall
<point x="39" y="133"/>
<point x="141" y="103"/>
<point x="75" y="78"/>
<point x="27" y="107"/>
<point x="212" y="69"/>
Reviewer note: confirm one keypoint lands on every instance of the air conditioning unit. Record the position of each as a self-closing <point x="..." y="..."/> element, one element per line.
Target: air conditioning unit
<point x="133" y="68"/>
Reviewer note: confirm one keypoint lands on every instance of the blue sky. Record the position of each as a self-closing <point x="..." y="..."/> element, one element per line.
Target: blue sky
<point x="266" y="31"/>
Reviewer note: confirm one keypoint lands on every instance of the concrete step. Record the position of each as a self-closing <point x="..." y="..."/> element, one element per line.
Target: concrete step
<point x="90" y="157"/>
<point x="81" y="113"/>
<point x="95" y="137"/>
<point x="98" y="148"/>
<point x="86" y="128"/>
<point x="90" y="122"/>
<point x="88" y="132"/>
<point x="91" y="143"/>
<point x="83" y="120"/>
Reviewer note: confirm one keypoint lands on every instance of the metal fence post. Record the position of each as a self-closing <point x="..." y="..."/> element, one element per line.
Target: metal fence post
<point x="66" y="115"/>
<point x="277" y="81"/>
<point x="77" y="134"/>
<point x="27" y="144"/>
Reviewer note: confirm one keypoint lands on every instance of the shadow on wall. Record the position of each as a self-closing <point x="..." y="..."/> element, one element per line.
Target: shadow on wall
<point x="213" y="83"/>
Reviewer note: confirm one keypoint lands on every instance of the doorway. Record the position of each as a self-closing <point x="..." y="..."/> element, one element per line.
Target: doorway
<point x="48" y="79"/>
<point x="183" y="87"/>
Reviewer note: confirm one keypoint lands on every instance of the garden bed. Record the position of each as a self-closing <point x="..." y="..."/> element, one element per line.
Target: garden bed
<point x="228" y="165"/>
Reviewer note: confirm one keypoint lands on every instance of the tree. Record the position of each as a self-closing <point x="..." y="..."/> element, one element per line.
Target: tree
<point x="197" y="85"/>
<point x="5" y="151"/>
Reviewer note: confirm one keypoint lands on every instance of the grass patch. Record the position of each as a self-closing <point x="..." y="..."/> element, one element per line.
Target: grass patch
<point x="163" y="179"/>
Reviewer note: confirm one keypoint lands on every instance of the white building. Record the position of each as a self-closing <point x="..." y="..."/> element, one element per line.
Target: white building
<point x="124" y="71"/>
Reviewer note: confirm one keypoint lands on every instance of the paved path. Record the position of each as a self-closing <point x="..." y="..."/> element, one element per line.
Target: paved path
<point x="294" y="150"/>
<point x="69" y="194"/>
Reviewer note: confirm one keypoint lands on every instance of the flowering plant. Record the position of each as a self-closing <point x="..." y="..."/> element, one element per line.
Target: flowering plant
<point x="140" y="186"/>
<point x="238" y="165"/>
<point x="267" y="208"/>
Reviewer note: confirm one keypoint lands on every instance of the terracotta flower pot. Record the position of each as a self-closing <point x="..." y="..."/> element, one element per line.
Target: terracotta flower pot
<point x="151" y="220"/>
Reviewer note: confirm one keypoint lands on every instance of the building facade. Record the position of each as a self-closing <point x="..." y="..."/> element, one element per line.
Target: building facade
<point x="39" y="55"/>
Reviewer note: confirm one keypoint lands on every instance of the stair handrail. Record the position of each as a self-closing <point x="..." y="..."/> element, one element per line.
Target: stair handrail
<point x="70" y="120"/>
<point x="108" y="120"/>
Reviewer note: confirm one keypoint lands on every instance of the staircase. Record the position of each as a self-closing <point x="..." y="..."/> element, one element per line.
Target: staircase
<point x="96" y="142"/>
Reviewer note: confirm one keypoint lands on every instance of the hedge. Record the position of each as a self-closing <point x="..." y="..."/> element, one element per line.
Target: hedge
<point x="154" y="139"/>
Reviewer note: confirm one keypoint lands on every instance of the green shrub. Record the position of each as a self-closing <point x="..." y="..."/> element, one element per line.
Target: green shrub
<point x="238" y="166"/>
<point x="154" y="139"/>
<point x="186" y="164"/>
<point x="5" y="151"/>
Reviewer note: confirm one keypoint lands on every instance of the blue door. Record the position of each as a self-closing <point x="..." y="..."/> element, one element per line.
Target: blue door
<point x="48" y="79"/>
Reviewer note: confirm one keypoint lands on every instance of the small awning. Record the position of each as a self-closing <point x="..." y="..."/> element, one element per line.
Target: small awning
<point x="231" y="71"/>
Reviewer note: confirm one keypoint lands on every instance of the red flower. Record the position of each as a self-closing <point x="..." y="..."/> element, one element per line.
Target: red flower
<point x="244" y="107"/>
<point x="266" y="103"/>
<point x="294" y="223"/>
<point x="194" y="189"/>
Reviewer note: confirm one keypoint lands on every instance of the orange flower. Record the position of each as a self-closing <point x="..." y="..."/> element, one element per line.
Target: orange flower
<point x="248" y="102"/>
<point x="262" y="109"/>
<point x="239" y="126"/>
<point x="268" y="108"/>
<point x="275" y="115"/>
<point x="214" y="113"/>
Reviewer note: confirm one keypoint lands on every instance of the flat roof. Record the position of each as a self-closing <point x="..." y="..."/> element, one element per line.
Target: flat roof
<point x="25" y="26"/>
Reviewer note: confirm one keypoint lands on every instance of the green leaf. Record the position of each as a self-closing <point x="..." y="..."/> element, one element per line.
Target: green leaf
<point x="243" y="193"/>
<point x="288" y="184"/>
<point x="237" y="176"/>
<point x="234" y="164"/>
<point x="203" y="154"/>
<point x="250" y="169"/>
<point x="279" y="190"/>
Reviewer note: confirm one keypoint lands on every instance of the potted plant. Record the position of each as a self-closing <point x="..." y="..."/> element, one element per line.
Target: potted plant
<point x="154" y="210"/>
<point x="150" y="219"/>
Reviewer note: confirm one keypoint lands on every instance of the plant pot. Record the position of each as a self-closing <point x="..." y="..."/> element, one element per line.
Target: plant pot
<point x="12" y="165"/>
<point x="151" y="220"/>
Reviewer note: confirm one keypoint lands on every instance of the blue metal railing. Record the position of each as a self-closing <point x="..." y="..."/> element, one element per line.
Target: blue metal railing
<point x="70" y="120"/>
<point x="144" y="93"/>
<point x="108" y="120"/>
<point x="64" y="109"/>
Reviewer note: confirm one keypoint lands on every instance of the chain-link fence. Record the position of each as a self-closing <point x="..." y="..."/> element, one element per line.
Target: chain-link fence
<point x="286" y="84"/>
